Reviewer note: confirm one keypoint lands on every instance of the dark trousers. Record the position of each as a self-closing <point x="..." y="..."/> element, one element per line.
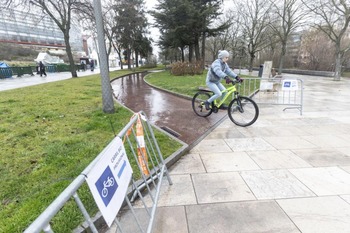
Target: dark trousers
<point x="42" y="72"/>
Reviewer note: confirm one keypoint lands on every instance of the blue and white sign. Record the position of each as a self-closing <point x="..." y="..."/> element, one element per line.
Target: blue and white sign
<point x="109" y="179"/>
<point x="289" y="85"/>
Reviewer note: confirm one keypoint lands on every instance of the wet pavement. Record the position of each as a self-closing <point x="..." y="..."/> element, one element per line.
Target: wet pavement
<point x="172" y="113"/>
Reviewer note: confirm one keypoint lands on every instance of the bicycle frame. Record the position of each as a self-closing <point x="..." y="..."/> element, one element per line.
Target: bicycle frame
<point x="229" y="90"/>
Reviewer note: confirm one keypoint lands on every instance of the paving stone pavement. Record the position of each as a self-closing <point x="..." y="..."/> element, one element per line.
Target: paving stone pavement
<point x="286" y="173"/>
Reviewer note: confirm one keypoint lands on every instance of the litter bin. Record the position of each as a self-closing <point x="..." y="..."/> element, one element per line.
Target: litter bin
<point x="261" y="70"/>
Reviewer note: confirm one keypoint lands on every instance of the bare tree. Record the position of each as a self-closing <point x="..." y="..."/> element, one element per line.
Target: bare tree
<point x="287" y="16"/>
<point x="332" y="17"/>
<point x="254" y="18"/>
<point x="316" y="48"/>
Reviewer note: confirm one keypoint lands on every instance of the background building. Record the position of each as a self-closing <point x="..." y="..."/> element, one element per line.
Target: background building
<point x="35" y="30"/>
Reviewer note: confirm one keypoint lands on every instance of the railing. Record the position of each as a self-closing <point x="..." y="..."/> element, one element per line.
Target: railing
<point x="8" y="72"/>
<point x="150" y="167"/>
<point x="280" y="90"/>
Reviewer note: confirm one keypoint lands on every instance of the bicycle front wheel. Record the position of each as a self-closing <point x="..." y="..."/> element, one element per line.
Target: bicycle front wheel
<point x="198" y="104"/>
<point x="243" y="111"/>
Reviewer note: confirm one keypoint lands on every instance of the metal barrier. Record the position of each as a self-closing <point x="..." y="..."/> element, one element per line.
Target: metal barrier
<point x="8" y="72"/>
<point x="151" y="172"/>
<point x="5" y="72"/>
<point x="275" y="91"/>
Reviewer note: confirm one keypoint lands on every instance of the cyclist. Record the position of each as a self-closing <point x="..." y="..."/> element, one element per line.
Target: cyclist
<point x="218" y="71"/>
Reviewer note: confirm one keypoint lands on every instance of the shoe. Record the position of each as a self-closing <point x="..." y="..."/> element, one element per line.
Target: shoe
<point x="207" y="105"/>
<point x="223" y="106"/>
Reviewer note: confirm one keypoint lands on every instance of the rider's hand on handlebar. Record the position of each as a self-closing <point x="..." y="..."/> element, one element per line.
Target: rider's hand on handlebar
<point x="239" y="79"/>
<point x="228" y="80"/>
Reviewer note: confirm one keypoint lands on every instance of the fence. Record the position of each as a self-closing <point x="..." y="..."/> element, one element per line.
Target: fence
<point x="8" y="72"/>
<point x="287" y="92"/>
<point x="151" y="169"/>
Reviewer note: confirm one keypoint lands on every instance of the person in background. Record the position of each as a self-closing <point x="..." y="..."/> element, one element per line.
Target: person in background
<point x="42" y="69"/>
<point x="92" y="65"/>
<point x="218" y="71"/>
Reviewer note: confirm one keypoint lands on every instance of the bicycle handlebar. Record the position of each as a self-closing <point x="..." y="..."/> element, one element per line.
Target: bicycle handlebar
<point x="234" y="82"/>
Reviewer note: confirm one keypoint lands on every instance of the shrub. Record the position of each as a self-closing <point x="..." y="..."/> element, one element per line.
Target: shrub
<point x="186" y="68"/>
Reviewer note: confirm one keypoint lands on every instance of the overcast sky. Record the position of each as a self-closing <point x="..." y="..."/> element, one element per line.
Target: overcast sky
<point x="154" y="31"/>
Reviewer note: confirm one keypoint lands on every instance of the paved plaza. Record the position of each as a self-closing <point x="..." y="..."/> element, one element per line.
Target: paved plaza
<point x="286" y="173"/>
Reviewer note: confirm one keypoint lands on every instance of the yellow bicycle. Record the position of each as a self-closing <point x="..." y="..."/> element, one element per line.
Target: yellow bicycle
<point x="242" y="110"/>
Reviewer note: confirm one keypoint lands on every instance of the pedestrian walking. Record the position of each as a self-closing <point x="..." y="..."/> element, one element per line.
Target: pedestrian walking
<point x="42" y="69"/>
<point x="92" y="65"/>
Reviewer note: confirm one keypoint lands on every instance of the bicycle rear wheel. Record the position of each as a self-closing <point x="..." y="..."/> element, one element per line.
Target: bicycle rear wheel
<point x="243" y="111"/>
<point x="198" y="105"/>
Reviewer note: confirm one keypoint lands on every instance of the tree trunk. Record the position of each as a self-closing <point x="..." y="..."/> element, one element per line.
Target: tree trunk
<point x="120" y="60"/>
<point x="251" y="62"/>
<point x="283" y="53"/>
<point x="182" y="54"/>
<point x="137" y="58"/>
<point x="196" y="50"/>
<point x="129" y="58"/>
<point x="337" y="68"/>
<point x="203" y="50"/>
<point x="190" y="53"/>
<point x="73" y="69"/>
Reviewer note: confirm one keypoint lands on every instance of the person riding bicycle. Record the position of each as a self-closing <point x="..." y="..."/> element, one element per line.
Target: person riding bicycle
<point x="218" y="71"/>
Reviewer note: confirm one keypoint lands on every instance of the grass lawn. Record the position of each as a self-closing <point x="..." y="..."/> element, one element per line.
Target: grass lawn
<point x="48" y="134"/>
<point x="185" y="85"/>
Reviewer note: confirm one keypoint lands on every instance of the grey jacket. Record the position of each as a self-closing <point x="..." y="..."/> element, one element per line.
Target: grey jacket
<point x="218" y="71"/>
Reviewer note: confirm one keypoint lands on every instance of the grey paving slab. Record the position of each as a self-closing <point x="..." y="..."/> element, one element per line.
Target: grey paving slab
<point x="291" y="142"/>
<point x="323" y="157"/>
<point x="220" y="187"/>
<point x="346" y="198"/>
<point x="181" y="192"/>
<point x="211" y="145"/>
<point x="344" y="150"/>
<point x="327" y="141"/>
<point x="242" y="217"/>
<point x="189" y="163"/>
<point x="248" y="144"/>
<point x="168" y="219"/>
<point x="253" y="132"/>
<point x="275" y="184"/>
<point x="230" y="161"/>
<point x="324" y="180"/>
<point x="346" y="168"/>
<point x="330" y="129"/>
<point x="319" y="121"/>
<point x="287" y="131"/>
<point x="224" y="133"/>
<point x="277" y="159"/>
<point x="345" y="137"/>
<point x="319" y="214"/>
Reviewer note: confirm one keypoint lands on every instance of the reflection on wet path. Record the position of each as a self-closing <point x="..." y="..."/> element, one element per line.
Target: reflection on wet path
<point x="163" y="109"/>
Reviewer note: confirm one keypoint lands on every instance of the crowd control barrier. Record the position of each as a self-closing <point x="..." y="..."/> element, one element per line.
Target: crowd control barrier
<point x="286" y="92"/>
<point x="114" y="184"/>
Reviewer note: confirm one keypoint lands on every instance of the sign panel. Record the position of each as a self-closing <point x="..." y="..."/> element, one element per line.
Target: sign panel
<point x="267" y="69"/>
<point x="109" y="179"/>
<point x="266" y="85"/>
<point x="289" y="85"/>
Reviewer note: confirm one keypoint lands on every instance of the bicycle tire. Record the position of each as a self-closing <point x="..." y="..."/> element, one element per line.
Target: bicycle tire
<point x="243" y="111"/>
<point x="198" y="103"/>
